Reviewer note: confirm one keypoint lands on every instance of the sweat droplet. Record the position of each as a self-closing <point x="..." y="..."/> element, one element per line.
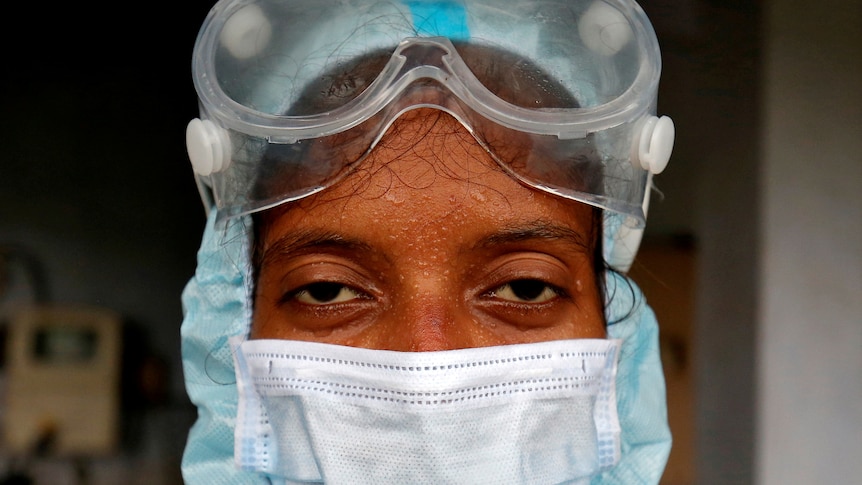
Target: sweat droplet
<point x="394" y="197"/>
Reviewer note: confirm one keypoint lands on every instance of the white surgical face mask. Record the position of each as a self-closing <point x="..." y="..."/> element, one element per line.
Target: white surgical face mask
<point x="529" y="413"/>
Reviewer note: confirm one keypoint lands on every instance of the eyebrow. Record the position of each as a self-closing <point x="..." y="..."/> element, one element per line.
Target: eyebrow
<point x="541" y="230"/>
<point x="302" y="240"/>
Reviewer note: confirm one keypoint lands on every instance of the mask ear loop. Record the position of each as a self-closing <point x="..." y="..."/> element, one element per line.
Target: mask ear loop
<point x="206" y="195"/>
<point x="626" y="239"/>
<point x="651" y="151"/>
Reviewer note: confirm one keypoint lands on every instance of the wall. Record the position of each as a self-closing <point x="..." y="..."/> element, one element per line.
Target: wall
<point x="767" y="175"/>
<point x="710" y="86"/>
<point x="810" y="333"/>
<point x="96" y="192"/>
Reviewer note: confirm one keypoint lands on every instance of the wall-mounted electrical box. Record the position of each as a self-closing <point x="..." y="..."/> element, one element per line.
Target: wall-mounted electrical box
<point x="63" y="389"/>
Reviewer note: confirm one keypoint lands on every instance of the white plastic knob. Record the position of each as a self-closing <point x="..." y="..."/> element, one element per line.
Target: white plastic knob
<point x="246" y="32"/>
<point x="604" y="29"/>
<point x="655" y="144"/>
<point x="208" y="147"/>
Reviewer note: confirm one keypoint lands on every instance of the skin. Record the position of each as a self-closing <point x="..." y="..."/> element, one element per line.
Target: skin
<point x="428" y="245"/>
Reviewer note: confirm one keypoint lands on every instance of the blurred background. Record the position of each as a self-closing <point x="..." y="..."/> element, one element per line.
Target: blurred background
<point x="752" y="257"/>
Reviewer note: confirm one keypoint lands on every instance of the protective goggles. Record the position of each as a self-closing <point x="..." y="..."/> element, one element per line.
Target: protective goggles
<point x="294" y="93"/>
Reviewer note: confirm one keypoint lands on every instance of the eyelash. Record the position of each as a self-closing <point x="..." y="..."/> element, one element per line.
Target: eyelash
<point x="336" y="291"/>
<point x="545" y="287"/>
<point x="308" y="290"/>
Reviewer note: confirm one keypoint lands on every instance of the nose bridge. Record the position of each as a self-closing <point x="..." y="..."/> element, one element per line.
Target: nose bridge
<point x="427" y="322"/>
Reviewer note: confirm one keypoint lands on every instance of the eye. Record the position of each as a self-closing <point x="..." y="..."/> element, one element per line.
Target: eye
<point x="325" y="293"/>
<point x="526" y="291"/>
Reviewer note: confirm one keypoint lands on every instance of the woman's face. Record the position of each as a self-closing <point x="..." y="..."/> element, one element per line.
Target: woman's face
<point x="428" y="245"/>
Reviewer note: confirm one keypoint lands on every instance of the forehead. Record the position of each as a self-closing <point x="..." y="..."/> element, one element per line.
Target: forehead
<point x="427" y="181"/>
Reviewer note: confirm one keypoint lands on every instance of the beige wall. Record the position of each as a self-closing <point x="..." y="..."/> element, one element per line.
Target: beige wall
<point x="810" y="326"/>
<point x="767" y="176"/>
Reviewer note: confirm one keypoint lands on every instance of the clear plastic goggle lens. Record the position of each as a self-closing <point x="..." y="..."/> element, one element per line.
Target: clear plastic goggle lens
<point x="295" y="93"/>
